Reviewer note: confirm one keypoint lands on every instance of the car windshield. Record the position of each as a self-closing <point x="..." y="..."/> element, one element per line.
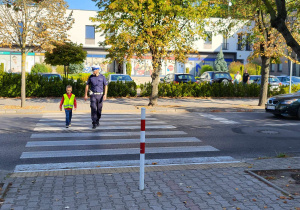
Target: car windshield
<point x="185" y="77"/>
<point x="121" y="77"/>
<point x="273" y="79"/>
<point x="222" y="75"/>
<point x="49" y="76"/>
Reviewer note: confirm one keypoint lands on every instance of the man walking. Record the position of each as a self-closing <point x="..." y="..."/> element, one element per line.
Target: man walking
<point x="246" y="77"/>
<point x="98" y="93"/>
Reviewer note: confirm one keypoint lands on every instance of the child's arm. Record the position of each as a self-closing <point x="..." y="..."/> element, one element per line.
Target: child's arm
<point x="75" y="104"/>
<point x="61" y="103"/>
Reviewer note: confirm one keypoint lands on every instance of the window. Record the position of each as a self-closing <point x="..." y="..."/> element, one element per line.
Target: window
<point x="240" y="41"/>
<point x="248" y="43"/>
<point x="279" y="67"/>
<point x="272" y="67"/>
<point x="225" y="42"/>
<point x="89" y="32"/>
<point x="208" y="40"/>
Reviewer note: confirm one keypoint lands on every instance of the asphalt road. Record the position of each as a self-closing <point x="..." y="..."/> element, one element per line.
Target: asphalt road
<point x="194" y="135"/>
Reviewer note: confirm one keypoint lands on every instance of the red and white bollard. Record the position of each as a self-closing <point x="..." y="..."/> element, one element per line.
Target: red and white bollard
<point x="142" y="148"/>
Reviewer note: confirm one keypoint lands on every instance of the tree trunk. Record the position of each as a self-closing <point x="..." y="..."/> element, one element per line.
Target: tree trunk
<point x="156" y="64"/>
<point x="264" y="80"/>
<point x="65" y="70"/>
<point x="23" y="78"/>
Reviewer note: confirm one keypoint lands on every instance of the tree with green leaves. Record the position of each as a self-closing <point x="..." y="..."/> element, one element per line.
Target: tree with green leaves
<point x="29" y="25"/>
<point x="268" y="43"/>
<point x="220" y="63"/>
<point x="160" y="28"/>
<point x="281" y="12"/>
<point x="65" y="54"/>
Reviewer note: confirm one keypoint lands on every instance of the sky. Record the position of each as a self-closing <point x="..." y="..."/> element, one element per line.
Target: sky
<point x="82" y="4"/>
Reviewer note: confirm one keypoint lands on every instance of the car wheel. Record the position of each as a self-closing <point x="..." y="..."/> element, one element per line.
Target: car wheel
<point x="225" y="81"/>
<point x="277" y="115"/>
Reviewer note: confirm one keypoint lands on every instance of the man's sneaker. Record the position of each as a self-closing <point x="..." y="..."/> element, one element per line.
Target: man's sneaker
<point x="94" y="126"/>
<point x="98" y="124"/>
<point x="67" y="126"/>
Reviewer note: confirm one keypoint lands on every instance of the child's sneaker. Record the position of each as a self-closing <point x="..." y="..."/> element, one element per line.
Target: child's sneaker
<point x="67" y="126"/>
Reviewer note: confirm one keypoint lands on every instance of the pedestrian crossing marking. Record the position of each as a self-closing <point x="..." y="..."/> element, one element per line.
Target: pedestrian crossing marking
<point x="220" y="119"/>
<point x="109" y="141"/>
<point x="102" y="134"/>
<point x="103" y="123"/>
<point x="121" y="163"/>
<point x="119" y="127"/>
<point x="123" y="151"/>
<point x="70" y="138"/>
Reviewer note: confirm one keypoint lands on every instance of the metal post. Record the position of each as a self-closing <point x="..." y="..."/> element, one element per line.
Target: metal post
<point x="142" y="148"/>
<point x="291" y="74"/>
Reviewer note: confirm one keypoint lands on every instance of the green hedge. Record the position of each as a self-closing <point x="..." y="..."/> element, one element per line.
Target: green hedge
<point x="38" y="86"/>
<point x="207" y="90"/>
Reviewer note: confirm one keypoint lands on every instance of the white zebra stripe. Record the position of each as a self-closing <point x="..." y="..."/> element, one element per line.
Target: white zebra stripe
<point x="100" y="134"/>
<point x="123" y="151"/>
<point x="119" y="127"/>
<point x="104" y="123"/>
<point x="108" y="141"/>
<point x="122" y="163"/>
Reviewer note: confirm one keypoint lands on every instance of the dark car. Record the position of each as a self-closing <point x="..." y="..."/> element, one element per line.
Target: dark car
<point x="50" y="76"/>
<point x="178" y="78"/>
<point x="119" y="77"/>
<point x="285" y="104"/>
<point x="216" y="77"/>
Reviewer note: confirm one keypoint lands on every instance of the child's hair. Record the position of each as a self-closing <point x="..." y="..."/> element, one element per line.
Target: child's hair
<point x="69" y="86"/>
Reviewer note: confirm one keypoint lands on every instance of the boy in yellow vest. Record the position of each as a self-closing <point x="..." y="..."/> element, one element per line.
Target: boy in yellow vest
<point x="69" y="102"/>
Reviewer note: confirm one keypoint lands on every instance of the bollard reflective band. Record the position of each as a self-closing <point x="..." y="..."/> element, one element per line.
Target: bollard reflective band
<point x="142" y="148"/>
<point x="143" y="125"/>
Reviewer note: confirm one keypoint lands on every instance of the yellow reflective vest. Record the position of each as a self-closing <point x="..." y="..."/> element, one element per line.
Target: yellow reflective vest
<point x="69" y="102"/>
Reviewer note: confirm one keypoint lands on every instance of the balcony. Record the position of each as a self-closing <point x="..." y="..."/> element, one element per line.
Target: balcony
<point x="207" y="46"/>
<point x="225" y="46"/>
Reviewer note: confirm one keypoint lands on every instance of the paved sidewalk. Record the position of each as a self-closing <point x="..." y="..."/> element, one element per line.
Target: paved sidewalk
<point x="132" y="105"/>
<point x="214" y="186"/>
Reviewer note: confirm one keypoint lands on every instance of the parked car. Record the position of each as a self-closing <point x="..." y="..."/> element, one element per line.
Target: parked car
<point x="254" y="78"/>
<point x="119" y="77"/>
<point x="274" y="82"/>
<point x="50" y="75"/>
<point x="178" y="78"/>
<point x="285" y="80"/>
<point x="284" y="104"/>
<point x="216" y="77"/>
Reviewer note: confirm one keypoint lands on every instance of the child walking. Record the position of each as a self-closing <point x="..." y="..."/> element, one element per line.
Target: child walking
<point x="69" y="101"/>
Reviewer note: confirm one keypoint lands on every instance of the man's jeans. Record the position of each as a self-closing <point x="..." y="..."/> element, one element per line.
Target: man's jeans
<point x="96" y="107"/>
<point x="68" y="116"/>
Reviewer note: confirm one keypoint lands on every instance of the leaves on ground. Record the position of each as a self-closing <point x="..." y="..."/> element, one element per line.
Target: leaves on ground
<point x="159" y="194"/>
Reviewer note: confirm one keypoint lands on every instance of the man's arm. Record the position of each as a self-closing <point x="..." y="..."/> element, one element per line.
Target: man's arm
<point x="105" y="92"/>
<point x="86" y="91"/>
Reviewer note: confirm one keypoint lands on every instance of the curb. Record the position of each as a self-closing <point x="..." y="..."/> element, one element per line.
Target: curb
<point x="134" y="169"/>
<point x="251" y="172"/>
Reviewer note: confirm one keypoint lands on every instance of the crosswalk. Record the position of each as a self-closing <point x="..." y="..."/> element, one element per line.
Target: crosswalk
<point x="115" y="143"/>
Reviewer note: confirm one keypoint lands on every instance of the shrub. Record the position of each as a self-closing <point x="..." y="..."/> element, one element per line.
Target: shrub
<point x="40" y="68"/>
<point x="1" y="67"/>
<point x="128" y="68"/>
<point x="252" y="68"/>
<point x="120" y="89"/>
<point x="234" y="67"/>
<point x="206" y="68"/>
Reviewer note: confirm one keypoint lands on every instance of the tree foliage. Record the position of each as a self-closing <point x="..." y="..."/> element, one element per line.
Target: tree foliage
<point x="161" y="28"/>
<point x="220" y="63"/>
<point x="65" y="54"/>
<point x="32" y="25"/>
